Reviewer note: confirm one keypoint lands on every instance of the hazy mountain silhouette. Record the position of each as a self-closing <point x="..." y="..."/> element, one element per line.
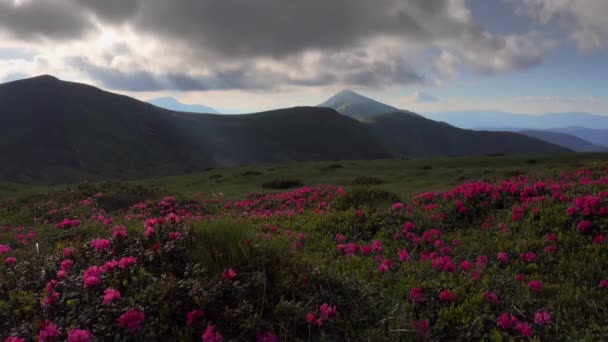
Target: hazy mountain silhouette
<point x="407" y="135"/>
<point x="568" y="141"/>
<point x="57" y="131"/>
<point x="171" y="103"/>
<point x="476" y="119"/>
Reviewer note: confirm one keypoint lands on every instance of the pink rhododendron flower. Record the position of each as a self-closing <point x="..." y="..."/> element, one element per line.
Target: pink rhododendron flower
<point x="359" y="213"/>
<point x="110" y="265"/>
<point x="491" y="297"/>
<point x="550" y="249"/>
<point x="377" y="246"/>
<point x="100" y="245"/>
<point x="542" y="318"/>
<point x="603" y="284"/>
<point x="311" y="319"/>
<point x="149" y="231"/>
<point x="529" y="257"/>
<point x="385" y="266"/>
<point x="68" y="251"/>
<point x="14" y="339"/>
<point x="194" y="317"/>
<point x="327" y="311"/>
<point x="506" y="321"/>
<point x="408" y="227"/>
<point x="132" y="320"/>
<point x="66" y="264"/>
<point x="520" y="277"/>
<point x="366" y="250"/>
<point x="466" y="266"/>
<point x="4" y="249"/>
<point x="340" y="238"/>
<point x="10" y="261"/>
<point x="110" y="295"/>
<point x="447" y="296"/>
<point x="551" y="237"/>
<point x="422" y="327"/>
<point x="267" y="337"/>
<point x="503" y="257"/>
<point x="126" y="262"/>
<point x="403" y="255"/>
<point x="211" y="335"/>
<point x="229" y="274"/>
<point x="119" y="231"/>
<point x="535" y="285"/>
<point x="416" y="294"/>
<point x="50" y="300"/>
<point x="91" y="282"/>
<point x="174" y="235"/>
<point x="584" y="226"/>
<point x="48" y="331"/>
<point x="524" y="329"/>
<point x="398" y="206"/>
<point x="79" y="335"/>
<point x="599" y="239"/>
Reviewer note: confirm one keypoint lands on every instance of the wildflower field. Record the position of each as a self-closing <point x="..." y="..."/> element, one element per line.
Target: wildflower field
<point x="523" y="257"/>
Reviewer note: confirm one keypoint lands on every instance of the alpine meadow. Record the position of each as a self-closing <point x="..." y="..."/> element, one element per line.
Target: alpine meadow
<point x="388" y="170"/>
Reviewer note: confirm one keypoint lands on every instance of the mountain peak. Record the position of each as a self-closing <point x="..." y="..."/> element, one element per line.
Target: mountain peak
<point x="45" y="78"/>
<point x="353" y="104"/>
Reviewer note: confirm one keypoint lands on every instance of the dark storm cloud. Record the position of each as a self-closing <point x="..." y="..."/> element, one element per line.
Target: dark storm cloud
<point x="237" y="28"/>
<point x="277" y="28"/>
<point x="112" y="10"/>
<point x="220" y="43"/>
<point x="55" y="19"/>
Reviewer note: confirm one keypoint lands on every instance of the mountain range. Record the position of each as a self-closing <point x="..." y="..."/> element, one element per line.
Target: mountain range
<point x="57" y="131"/>
<point x="498" y="119"/>
<point x="171" y="103"/>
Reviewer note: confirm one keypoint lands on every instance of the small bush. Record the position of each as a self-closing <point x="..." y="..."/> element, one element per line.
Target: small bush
<point x="251" y="173"/>
<point x="332" y="166"/>
<point x="281" y="184"/>
<point x="216" y="176"/>
<point x="427" y="167"/>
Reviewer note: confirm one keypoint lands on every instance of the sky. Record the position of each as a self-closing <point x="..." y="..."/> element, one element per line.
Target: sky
<point x="523" y="56"/>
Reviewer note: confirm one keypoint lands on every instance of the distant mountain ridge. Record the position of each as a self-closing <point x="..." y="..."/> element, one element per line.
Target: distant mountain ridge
<point x="57" y="131"/>
<point x="171" y="103"/>
<point x="568" y="141"/>
<point x="408" y="135"/>
<point x="498" y="119"/>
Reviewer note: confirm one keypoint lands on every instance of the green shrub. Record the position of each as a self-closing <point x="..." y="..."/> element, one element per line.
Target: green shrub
<point x="281" y="184"/>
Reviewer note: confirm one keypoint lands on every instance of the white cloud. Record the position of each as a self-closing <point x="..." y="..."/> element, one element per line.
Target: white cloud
<point x="585" y="19"/>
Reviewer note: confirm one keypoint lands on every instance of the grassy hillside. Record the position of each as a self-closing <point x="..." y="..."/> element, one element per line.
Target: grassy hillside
<point x="521" y="257"/>
<point x="403" y="177"/>
<point x="409" y="135"/>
